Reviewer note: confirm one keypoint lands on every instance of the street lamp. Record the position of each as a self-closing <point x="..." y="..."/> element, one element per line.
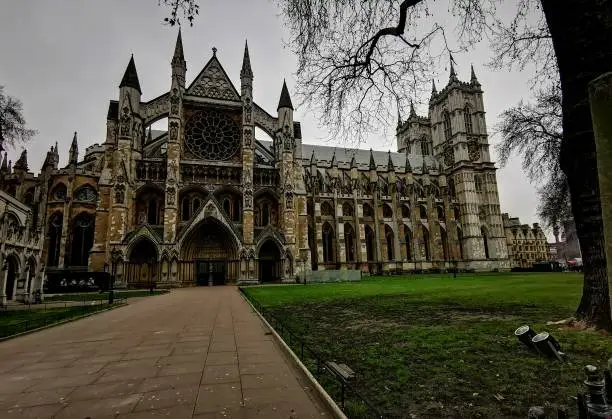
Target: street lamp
<point x="116" y="257"/>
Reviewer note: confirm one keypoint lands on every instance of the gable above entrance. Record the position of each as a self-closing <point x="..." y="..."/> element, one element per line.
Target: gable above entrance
<point x="213" y="83"/>
<point x="210" y="209"/>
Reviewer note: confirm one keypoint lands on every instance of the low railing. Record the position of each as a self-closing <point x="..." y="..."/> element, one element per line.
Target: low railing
<point x="352" y="402"/>
<point x="44" y="314"/>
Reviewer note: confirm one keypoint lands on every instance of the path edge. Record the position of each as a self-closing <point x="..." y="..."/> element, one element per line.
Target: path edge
<point x="320" y="391"/>
<point x="72" y="319"/>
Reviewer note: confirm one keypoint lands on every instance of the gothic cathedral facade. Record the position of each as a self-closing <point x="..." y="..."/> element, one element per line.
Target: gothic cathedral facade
<point x="205" y="202"/>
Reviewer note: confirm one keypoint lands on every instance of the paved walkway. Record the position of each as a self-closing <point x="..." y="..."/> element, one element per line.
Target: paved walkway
<point x="193" y="353"/>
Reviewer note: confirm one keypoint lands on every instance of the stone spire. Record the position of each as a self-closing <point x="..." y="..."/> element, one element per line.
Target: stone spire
<point x="434" y="91"/>
<point x="390" y="165"/>
<point x="453" y="74"/>
<point x="22" y="161"/>
<point x="149" y="136"/>
<point x="73" y="155"/>
<point x="285" y="99"/>
<point x="246" y="70"/>
<point x="408" y="167"/>
<point x="412" y="111"/>
<point x="372" y="162"/>
<point x="179" y="57"/>
<point x="334" y="161"/>
<point x="130" y="77"/>
<point x="313" y="160"/>
<point x="473" y="80"/>
<point x="353" y="162"/>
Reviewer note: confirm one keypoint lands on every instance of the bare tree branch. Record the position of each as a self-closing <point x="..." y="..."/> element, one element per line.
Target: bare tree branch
<point x="13" y="128"/>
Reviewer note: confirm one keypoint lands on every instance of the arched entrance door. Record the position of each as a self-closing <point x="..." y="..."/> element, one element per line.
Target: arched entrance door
<point x="269" y="262"/>
<point x="142" y="267"/>
<point x="12" y="269"/>
<point x="208" y="255"/>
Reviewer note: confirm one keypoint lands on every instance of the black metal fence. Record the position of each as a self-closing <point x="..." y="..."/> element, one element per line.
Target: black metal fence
<point x="22" y="318"/>
<point x="344" y="392"/>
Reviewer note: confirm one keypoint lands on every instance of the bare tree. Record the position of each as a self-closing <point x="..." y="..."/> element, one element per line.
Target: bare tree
<point x="361" y="61"/>
<point x="13" y="128"/>
<point x="534" y="132"/>
<point x="188" y="9"/>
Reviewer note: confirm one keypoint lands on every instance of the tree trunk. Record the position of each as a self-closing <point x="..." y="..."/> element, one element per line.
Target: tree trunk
<point x="581" y="32"/>
<point x="600" y="99"/>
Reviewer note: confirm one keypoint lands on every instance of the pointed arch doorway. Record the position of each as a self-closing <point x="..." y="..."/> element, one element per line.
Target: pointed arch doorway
<point x="269" y="258"/>
<point x="209" y="255"/>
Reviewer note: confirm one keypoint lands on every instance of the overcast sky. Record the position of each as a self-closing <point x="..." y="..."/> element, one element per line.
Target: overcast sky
<point x="65" y="58"/>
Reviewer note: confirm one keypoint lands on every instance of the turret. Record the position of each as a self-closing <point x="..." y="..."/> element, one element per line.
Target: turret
<point x="412" y="111"/>
<point x="473" y="80"/>
<point x="285" y="108"/>
<point x="246" y="73"/>
<point x="354" y="171"/>
<point x="453" y="75"/>
<point x="334" y="166"/>
<point x="179" y="65"/>
<point x="390" y="169"/>
<point x="73" y="154"/>
<point x="129" y="88"/>
<point x="313" y="164"/>
<point x="22" y="162"/>
<point x="408" y="167"/>
<point x="373" y="174"/>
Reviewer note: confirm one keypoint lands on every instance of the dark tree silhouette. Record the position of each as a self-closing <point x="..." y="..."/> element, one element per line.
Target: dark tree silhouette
<point x="13" y="128"/>
<point x="360" y="61"/>
<point x="188" y="9"/>
<point x="533" y="131"/>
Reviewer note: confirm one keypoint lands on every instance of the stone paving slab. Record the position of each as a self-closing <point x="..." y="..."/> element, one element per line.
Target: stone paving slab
<point x="192" y="353"/>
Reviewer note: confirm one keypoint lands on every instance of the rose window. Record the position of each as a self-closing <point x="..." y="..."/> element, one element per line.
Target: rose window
<point x="212" y="135"/>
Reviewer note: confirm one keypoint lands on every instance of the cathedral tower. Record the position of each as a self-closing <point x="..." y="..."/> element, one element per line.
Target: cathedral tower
<point x="460" y="142"/>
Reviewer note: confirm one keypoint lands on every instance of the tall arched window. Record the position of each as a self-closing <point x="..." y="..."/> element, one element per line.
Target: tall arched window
<point x="368" y="211"/>
<point x="152" y="213"/>
<point x="81" y="239"/>
<point x="389" y="236"/>
<point x="265" y="214"/>
<point x="227" y="207"/>
<point x="369" y="236"/>
<point x="468" y="119"/>
<point x="328" y="243"/>
<point x="426" y="243"/>
<point x="347" y="210"/>
<point x="196" y="205"/>
<point x="440" y="211"/>
<point x="408" y="239"/>
<point x="55" y="237"/>
<point x="349" y="242"/>
<point x="447" y="125"/>
<point x="236" y="214"/>
<point x="185" y="210"/>
<point x="424" y="147"/>
<point x="326" y="209"/>
<point x="485" y="241"/>
<point x="405" y="211"/>
<point x="387" y="211"/>
<point x="423" y="212"/>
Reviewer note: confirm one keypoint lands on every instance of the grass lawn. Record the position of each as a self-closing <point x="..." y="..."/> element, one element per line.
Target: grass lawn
<point x="18" y="321"/>
<point x="90" y="296"/>
<point x="434" y="346"/>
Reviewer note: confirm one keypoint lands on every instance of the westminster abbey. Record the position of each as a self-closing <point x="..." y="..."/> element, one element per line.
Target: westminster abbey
<point x="206" y="202"/>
